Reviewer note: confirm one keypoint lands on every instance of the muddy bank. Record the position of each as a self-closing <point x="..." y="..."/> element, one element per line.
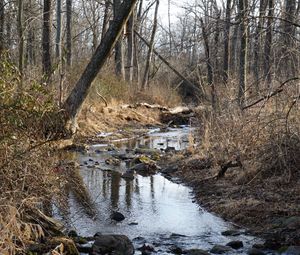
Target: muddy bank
<point x="267" y="207"/>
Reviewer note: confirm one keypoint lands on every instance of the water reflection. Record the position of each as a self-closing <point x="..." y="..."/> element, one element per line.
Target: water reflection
<point x="158" y="206"/>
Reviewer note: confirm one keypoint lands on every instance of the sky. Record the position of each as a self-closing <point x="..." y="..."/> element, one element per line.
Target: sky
<point x="174" y="9"/>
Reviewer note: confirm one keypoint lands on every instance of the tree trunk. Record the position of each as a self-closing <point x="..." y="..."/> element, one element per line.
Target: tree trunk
<point x="268" y="44"/>
<point x="257" y="43"/>
<point x="243" y="6"/>
<point x="21" y="41"/>
<point x="105" y="18"/>
<point x="130" y="48"/>
<point x="119" y="51"/>
<point x="2" y="19"/>
<point x="77" y="96"/>
<point x="58" y="30"/>
<point x="226" y="58"/>
<point x="46" y="40"/>
<point x="145" y="82"/>
<point x="69" y="33"/>
<point x="208" y="64"/>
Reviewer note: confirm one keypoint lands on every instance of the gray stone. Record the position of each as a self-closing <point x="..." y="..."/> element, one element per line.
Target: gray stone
<point x="196" y="252"/>
<point x="231" y="232"/>
<point x="220" y="249"/>
<point x="292" y="250"/>
<point x="112" y="244"/>
<point x="254" y="251"/>
<point x="235" y="244"/>
<point x="117" y="216"/>
<point x="128" y="175"/>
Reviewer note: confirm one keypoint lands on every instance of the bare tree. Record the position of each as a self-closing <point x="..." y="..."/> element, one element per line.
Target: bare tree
<point x="130" y="48"/>
<point x="119" y="50"/>
<point x="268" y="43"/>
<point x="226" y="41"/>
<point x="21" y="40"/>
<point x="58" y="30"/>
<point x="2" y="19"/>
<point x="46" y="38"/>
<point x="145" y="82"/>
<point x="243" y="8"/>
<point x="77" y="96"/>
<point x="69" y="32"/>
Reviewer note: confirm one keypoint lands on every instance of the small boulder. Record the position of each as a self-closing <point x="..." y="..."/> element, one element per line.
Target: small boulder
<point x="112" y="244"/>
<point x="231" y="232"/>
<point x="254" y="251"/>
<point x="235" y="244"/>
<point x="169" y="169"/>
<point x="129" y="175"/>
<point x="176" y="250"/>
<point x="196" y="252"/>
<point x="117" y="216"/>
<point x="220" y="249"/>
<point x="147" y="248"/>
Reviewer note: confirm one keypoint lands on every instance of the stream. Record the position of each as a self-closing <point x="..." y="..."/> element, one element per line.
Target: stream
<point x="157" y="210"/>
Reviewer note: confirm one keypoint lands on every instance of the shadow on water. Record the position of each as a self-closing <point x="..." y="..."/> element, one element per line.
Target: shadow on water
<point x="154" y="207"/>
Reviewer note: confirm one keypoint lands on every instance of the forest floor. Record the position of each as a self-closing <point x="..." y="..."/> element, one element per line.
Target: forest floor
<point x="267" y="207"/>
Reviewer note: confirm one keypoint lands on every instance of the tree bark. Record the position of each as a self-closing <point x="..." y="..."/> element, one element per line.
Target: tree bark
<point x="77" y="96"/>
<point x="243" y="6"/>
<point x="268" y="43"/>
<point x="208" y="64"/>
<point x="21" y="41"/>
<point x="145" y="82"/>
<point x="46" y="38"/>
<point x="58" y="30"/>
<point x="130" y="48"/>
<point x="69" y="33"/>
<point x="119" y="50"/>
<point x="226" y="57"/>
<point x="257" y="43"/>
<point x="2" y="19"/>
<point x="105" y="18"/>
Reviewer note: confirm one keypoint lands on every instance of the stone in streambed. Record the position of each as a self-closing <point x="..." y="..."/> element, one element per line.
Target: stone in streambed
<point x="196" y="252"/>
<point x="112" y="244"/>
<point x="129" y="175"/>
<point x="254" y="251"/>
<point x="220" y="249"/>
<point x="235" y="244"/>
<point x="147" y="249"/>
<point x="292" y="250"/>
<point x="231" y="232"/>
<point x="117" y="216"/>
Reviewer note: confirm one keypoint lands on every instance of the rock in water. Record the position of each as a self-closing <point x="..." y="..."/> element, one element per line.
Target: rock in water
<point x="220" y="249"/>
<point x="235" y="244"/>
<point x="254" y="251"/>
<point x="293" y="250"/>
<point x="112" y="244"/>
<point x="117" y="216"/>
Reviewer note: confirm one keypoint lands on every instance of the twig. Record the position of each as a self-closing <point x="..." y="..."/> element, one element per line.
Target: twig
<point x="274" y="93"/>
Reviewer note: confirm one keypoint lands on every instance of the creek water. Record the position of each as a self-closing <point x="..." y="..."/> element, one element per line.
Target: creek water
<point x="156" y="210"/>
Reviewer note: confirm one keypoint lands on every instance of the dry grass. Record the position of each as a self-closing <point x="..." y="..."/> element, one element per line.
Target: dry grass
<point x="27" y="180"/>
<point x="266" y="137"/>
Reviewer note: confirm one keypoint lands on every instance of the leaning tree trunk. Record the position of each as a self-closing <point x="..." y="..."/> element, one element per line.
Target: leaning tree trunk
<point x="145" y="82"/>
<point x="77" y="96"/>
<point x="69" y="32"/>
<point x="226" y="42"/>
<point x="46" y="38"/>
<point x="105" y="18"/>
<point x="243" y="6"/>
<point x="119" y="50"/>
